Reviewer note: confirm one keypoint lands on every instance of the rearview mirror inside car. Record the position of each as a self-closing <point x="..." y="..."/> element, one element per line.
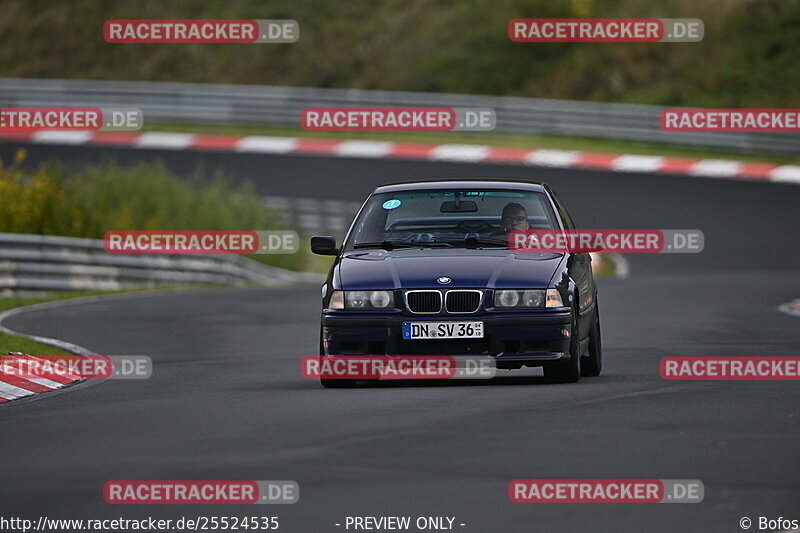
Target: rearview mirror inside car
<point x="463" y="206"/>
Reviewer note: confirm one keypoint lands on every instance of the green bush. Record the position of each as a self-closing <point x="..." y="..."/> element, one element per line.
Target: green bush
<point x="105" y="197"/>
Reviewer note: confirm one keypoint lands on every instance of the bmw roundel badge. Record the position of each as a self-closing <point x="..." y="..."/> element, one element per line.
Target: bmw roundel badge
<point x="444" y="280"/>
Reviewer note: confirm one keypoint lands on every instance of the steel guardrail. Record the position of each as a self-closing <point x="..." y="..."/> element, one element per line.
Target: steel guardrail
<point x="195" y="103"/>
<point x="41" y="263"/>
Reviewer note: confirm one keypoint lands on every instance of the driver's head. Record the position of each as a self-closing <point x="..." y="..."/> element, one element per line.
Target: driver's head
<point x="514" y="217"/>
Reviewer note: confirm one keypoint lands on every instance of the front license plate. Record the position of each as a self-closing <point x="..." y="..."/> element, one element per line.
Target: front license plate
<point x="442" y="330"/>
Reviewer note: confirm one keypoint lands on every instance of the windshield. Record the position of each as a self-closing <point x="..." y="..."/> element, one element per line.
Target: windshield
<point x="449" y="218"/>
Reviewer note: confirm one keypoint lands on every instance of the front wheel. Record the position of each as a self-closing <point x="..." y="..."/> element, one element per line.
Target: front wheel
<point x="567" y="371"/>
<point x="337" y="383"/>
<point x="592" y="365"/>
<point x="332" y="383"/>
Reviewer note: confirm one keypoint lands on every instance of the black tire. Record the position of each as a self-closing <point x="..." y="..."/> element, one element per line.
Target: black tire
<point x="567" y="371"/>
<point x="592" y="364"/>
<point x="337" y="383"/>
<point x="333" y="383"/>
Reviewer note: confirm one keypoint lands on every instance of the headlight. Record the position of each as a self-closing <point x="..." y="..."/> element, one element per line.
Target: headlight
<point x="532" y="298"/>
<point x="380" y="299"/>
<point x="361" y="300"/>
<point x="355" y="299"/>
<point x="529" y="298"/>
<point x="506" y="298"/>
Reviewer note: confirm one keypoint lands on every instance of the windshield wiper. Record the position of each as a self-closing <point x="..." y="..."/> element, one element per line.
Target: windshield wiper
<point x="500" y="242"/>
<point x="392" y="244"/>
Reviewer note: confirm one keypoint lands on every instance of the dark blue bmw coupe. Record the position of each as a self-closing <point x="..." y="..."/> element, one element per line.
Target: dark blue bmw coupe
<point x="426" y="269"/>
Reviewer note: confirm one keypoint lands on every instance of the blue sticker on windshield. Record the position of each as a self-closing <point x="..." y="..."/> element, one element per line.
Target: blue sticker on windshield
<point x="391" y="204"/>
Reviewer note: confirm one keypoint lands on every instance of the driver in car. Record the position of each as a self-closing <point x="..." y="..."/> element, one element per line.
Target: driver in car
<point x="514" y="217"/>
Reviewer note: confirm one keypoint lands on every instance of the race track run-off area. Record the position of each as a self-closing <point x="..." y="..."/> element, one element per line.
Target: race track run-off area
<point x="227" y="401"/>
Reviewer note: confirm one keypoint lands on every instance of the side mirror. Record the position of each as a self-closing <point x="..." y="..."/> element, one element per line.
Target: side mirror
<point x="324" y="245"/>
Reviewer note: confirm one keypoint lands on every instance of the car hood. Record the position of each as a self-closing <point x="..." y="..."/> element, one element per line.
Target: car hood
<point x="420" y="268"/>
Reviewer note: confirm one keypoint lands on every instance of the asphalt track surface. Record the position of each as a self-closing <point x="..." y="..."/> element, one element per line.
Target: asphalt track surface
<point x="226" y="400"/>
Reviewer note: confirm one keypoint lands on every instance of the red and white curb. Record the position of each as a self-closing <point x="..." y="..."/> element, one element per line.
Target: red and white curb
<point x="464" y="153"/>
<point x="620" y="266"/>
<point x="791" y="308"/>
<point x="15" y="384"/>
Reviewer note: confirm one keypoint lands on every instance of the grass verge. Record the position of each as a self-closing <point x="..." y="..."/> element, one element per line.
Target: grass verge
<point x="10" y="343"/>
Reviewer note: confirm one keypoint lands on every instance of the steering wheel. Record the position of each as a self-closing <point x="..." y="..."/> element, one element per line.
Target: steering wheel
<point x="473" y="226"/>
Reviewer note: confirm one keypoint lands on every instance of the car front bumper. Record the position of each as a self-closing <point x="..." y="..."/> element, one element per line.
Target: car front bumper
<point x="512" y="340"/>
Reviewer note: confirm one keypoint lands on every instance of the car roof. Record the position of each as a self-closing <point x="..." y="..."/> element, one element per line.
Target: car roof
<point x="497" y="184"/>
